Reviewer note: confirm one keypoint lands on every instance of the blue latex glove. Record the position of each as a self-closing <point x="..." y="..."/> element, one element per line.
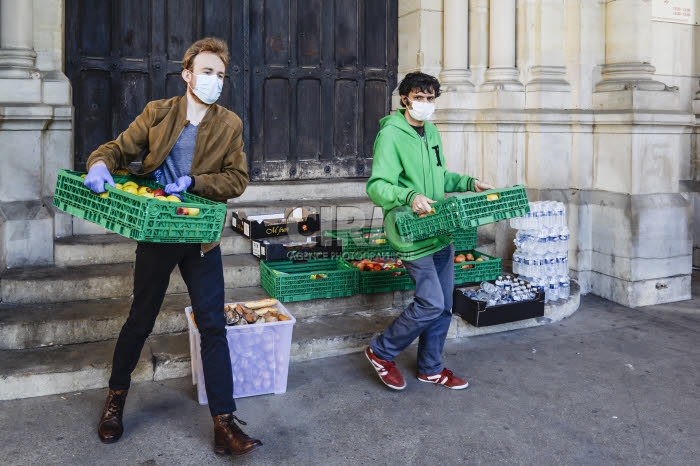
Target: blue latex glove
<point x="96" y="178"/>
<point x="180" y="185"/>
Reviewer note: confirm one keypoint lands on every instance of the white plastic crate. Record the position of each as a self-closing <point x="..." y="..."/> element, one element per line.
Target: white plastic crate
<point x="259" y="356"/>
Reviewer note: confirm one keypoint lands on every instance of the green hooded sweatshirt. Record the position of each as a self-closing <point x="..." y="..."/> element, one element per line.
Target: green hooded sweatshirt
<point x="404" y="166"/>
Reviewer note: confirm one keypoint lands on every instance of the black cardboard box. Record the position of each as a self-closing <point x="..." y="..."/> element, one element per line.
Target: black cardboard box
<point x="293" y="222"/>
<point x="284" y="248"/>
<point x="479" y="315"/>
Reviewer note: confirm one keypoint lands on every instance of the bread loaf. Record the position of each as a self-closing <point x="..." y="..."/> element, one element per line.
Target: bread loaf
<point x="265" y="310"/>
<point x="267" y="302"/>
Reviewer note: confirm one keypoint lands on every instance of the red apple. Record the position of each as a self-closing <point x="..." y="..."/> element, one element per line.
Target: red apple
<point x="182" y="211"/>
<point x="159" y="192"/>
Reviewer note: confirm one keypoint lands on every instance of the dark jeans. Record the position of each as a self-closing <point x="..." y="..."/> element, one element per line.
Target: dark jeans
<point x="204" y="277"/>
<point x="428" y="317"/>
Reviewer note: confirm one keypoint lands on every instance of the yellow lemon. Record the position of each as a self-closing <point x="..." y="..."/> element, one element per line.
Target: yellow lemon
<point x="172" y="198"/>
<point x="130" y="189"/>
<point x="119" y="186"/>
<point x="144" y="189"/>
<point x="146" y="195"/>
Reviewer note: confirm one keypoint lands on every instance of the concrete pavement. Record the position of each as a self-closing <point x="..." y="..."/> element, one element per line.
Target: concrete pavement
<point x="608" y="385"/>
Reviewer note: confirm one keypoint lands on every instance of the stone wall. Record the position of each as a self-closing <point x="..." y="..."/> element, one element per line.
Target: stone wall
<point x="576" y="101"/>
<point x="572" y="98"/>
<point x="35" y="129"/>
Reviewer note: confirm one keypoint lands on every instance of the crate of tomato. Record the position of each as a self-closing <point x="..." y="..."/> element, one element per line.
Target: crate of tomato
<point x="380" y="275"/>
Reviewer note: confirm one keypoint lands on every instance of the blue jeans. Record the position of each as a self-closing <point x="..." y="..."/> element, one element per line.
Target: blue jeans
<point x="204" y="277"/>
<point x="428" y="317"/>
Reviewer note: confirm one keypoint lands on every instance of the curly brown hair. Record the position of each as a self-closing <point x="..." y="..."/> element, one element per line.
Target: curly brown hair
<point x="208" y="44"/>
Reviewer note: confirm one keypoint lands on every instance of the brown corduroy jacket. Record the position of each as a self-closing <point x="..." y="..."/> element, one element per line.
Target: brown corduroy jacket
<point x="219" y="168"/>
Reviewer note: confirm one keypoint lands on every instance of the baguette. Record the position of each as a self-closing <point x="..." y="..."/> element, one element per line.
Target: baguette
<point x="265" y="310"/>
<point x="259" y="304"/>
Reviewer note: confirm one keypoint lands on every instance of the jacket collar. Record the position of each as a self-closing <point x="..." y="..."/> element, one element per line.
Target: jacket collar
<point x="182" y="111"/>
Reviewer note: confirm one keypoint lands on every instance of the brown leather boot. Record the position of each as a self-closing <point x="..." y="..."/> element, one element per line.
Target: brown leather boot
<point x="110" y="428"/>
<point x="230" y="439"/>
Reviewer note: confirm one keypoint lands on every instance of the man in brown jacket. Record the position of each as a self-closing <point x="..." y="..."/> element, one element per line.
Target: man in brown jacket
<point x="195" y="145"/>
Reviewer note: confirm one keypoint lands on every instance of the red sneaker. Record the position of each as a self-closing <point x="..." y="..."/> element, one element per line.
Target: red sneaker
<point x="387" y="371"/>
<point x="446" y="378"/>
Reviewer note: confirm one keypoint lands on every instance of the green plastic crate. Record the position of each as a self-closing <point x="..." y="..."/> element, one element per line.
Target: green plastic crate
<point x="477" y="271"/>
<point x="465" y="239"/>
<point x="411" y="227"/>
<point x="475" y="209"/>
<point x="381" y="281"/>
<point x="356" y="245"/>
<point x="323" y="278"/>
<point x="138" y="217"/>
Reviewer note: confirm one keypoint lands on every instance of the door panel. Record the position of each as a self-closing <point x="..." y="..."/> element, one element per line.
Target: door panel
<point x="309" y="78"/>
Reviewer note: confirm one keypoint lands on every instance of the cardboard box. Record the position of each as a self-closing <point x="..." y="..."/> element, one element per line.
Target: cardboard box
<point x="298" y="221"/>
<point x="479" y="315"/>
<point x="284" y="248"/>
<point x="259" y="356"/>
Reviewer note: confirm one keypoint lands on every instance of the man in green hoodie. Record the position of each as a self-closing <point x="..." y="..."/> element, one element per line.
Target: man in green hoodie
<point x="409" y="170"/>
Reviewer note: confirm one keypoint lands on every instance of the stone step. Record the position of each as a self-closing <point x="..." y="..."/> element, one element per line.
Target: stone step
<point x="303" y="190"/>
<point x="97" y="281"/>
<point x="67" y="368"/>
<point x="89" y="271"/>
<point x="38" y="325"/>
<point x="112" y="248"/>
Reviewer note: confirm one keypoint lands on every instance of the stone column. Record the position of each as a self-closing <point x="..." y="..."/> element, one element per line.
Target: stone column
<point x="455" y="75"/>
<point x="641" y="224"/>
<point x="17" y="54"/>
<point x="547" y="87"/>
<point x="501" y="87"/>
<point x="35" y="131"/>
<point x="420" y="39"/>
<point x="478" y="39"/>
<point x="627" y="80"/>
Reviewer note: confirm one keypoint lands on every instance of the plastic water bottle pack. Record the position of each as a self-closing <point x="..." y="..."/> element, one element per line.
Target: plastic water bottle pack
<point x="542" y="248"/>
<point x="542" y="214"/>
<point x="505" y="290"/>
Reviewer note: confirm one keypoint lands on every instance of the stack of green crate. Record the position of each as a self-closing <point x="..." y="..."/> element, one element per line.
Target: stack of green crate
<point x="391" y="278"/>
<point x="488" y="268"/>
<point x="371" y="244"/>
<point x="323" y="278"/>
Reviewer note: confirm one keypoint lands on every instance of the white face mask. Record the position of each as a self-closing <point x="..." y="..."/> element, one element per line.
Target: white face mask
<point x="421" y="111"/>
<point x="208" y="88"/>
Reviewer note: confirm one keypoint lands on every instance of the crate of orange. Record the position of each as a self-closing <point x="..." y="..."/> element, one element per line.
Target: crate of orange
<point x="380" y="275"/>
<point x="474" y="266"/>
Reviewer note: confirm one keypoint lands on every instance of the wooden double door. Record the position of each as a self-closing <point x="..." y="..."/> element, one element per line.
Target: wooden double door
<point x="309" y="78"/>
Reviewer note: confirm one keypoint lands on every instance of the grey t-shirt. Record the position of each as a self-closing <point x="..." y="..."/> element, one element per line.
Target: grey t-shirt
<point x="179" y="161"/>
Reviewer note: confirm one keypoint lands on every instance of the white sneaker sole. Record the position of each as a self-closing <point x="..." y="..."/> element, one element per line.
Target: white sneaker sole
<point x="459" y="387"/>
